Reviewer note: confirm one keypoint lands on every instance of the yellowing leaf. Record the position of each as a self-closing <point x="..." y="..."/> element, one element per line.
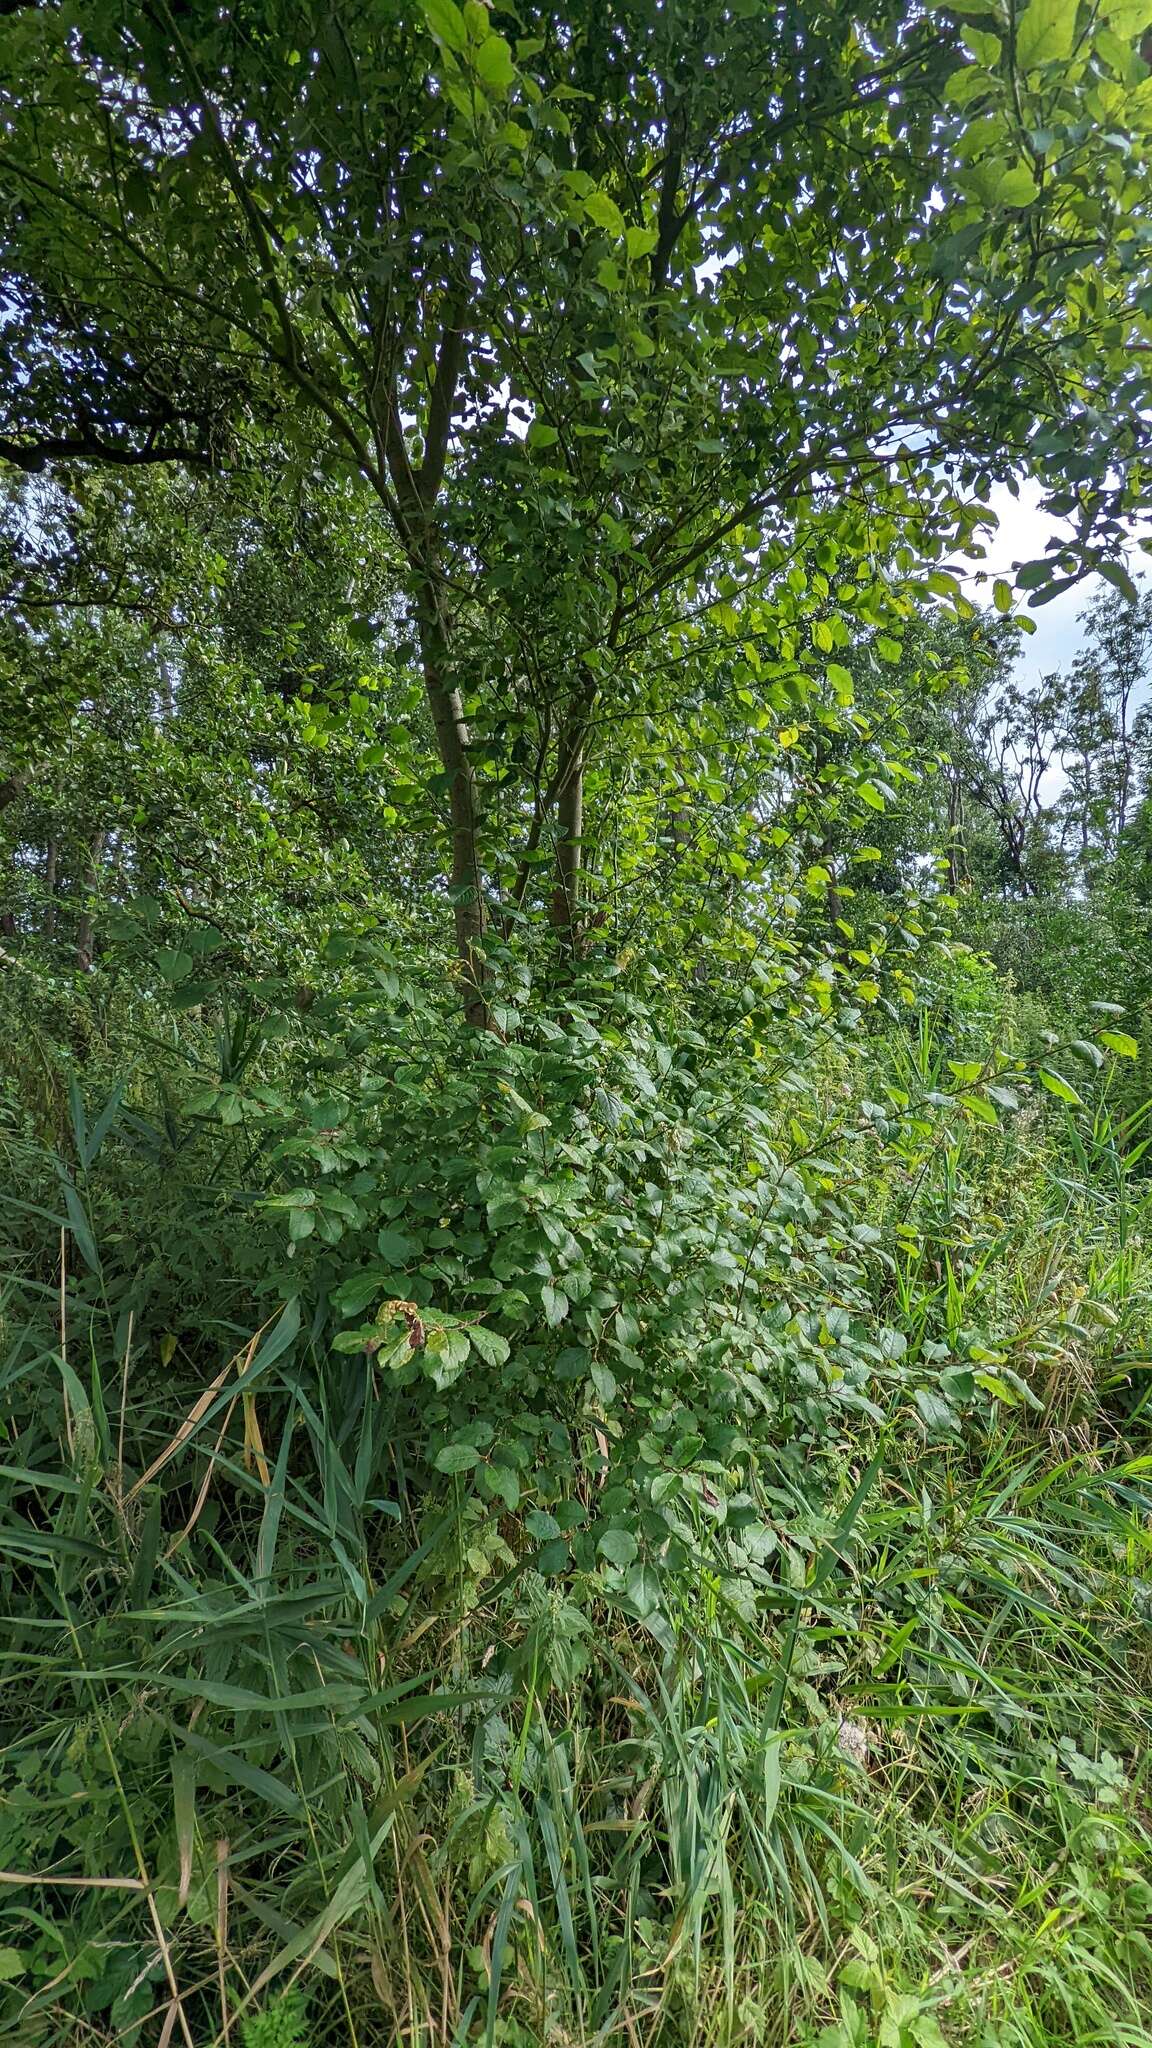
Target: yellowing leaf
<point x="787" y="736"/>
<point x="1121" y="1042"/>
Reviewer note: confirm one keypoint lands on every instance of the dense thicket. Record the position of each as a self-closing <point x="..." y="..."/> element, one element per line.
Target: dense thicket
<point x="574" y="1317"/>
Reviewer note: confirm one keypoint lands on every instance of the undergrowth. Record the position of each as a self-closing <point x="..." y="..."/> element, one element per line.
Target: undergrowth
<point x="490" y="1555"/>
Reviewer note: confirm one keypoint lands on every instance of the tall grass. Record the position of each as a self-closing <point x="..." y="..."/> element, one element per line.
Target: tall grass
<point x="295" y="1756"/>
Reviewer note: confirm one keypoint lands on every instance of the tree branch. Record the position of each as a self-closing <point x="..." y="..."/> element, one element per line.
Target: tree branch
<point x="33" y="457"/>
<point x="442" y="404"/>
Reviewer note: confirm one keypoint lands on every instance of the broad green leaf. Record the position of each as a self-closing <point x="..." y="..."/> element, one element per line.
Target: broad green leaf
<point x="1045" y="33"/>
<point x="555" y="1303"/>
<point x="1058" y="1086"/>
<point x="619" y="1546"/>
<point x="642" y="1587"/>
<point x="493" y="1348"/>
<point x="602" y="208"/>
<point x="446" y="22"/>
<point x="397" y="1247"/>
<point x="936" y="1412"/>
<point x="492" y="61"/>
<point x="454" y="1458"/>
<point x="1018" y="186"/>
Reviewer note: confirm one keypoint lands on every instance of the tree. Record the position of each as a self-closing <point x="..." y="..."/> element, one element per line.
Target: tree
<point x="614" y="316"/>
<point x="193" y="715"/>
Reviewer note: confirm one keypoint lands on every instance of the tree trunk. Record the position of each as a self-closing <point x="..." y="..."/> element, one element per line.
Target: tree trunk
<point x="12" y="786"/>
<point x="955" y="832"/>
<point x="86" y="929"/>
<point x="571" y="761"/>
<point x="569" y="834"/>
<point x="452" y="740"/>
<point x="51" y="854"/>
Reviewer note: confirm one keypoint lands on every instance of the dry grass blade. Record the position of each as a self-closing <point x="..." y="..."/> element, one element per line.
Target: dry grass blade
<point x="241" y="1361"/>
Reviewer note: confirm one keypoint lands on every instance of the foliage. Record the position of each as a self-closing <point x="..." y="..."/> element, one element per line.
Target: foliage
<point x="569" y="307"/>
<point x="666" y="1608"/>
<point x="574" y="1449"/>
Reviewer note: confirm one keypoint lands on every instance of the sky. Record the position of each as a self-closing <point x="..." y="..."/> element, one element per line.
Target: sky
<point x="1022" y="536"/>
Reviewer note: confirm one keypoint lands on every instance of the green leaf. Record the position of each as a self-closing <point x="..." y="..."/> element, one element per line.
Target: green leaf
<point x="12" y="1964"/>
<point x="493" y="1348"/>
<point x="602" y="208"/>
<point x="541" y="435"/>
<point x="1032" y="574"/>
<point x="492" y="62"/>
<point x="396" y="1246"/>
<point x="965" y="85"/>
<point x="1045" y="33"/>
<point x="555" y="1303"/>
<point x="976" y="1106"/>
<point x="503" y="1482"/>
<point x="455" y="1458"/>
<point x="642" y="1587"/>
<point x="1058" y="1086"/>
<point x="619" y="1546"/>
<point x="640" y="241"/>
<point x="604" y="1383"/>
<point x="446" y="23"/>
<point x="353" y="1295"/>
<point x="80" y="1228"/>
<point x="936" y="1413"/>
<point x="1017" y="187"/>
<point x="1117" y="575"/>
<point x="1121" y="1042"/>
